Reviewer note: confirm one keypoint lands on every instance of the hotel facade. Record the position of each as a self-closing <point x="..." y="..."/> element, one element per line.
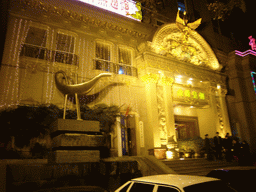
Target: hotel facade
<point x="166" y="78"/>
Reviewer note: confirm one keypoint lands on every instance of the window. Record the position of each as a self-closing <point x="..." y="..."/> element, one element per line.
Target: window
<point x="125" y="61"/>
<point x="65" y="49"/>
<point x="103" y="56"/>
<point x="166" y="189"/>
<point x="124" y="189"/>
<point x="139" y="187"/>
<point x="35" y="43"/>
<point x="125" y="56"/>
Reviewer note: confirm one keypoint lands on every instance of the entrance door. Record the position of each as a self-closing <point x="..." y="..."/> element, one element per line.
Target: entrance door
<point x="129" y="136"/>
<point x="186" y="127"/>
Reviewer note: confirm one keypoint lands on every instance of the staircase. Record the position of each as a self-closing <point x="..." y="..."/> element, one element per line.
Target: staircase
<point x="196" y="166"/>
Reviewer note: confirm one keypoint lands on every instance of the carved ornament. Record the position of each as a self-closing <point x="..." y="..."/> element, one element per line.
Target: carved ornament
<point x="169" y="41"/>
<point x="150" y="78"/>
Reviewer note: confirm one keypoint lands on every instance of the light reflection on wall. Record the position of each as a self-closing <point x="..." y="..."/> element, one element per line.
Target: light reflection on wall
<point x="185" y="110"/>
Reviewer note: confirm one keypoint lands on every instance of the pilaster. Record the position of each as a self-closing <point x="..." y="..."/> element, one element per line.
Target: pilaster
<point x="151" y="129"/>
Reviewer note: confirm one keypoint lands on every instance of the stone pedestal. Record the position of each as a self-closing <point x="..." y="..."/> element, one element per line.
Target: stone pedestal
<point x="76" y="141"/>
<point x="72" y="125"/>
<point x="74" y="156"/>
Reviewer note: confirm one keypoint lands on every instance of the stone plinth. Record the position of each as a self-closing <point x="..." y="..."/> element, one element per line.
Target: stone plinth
<point x="72" y="125"/>
<point x="74" y="156"/>
<point x="78" y="140"/>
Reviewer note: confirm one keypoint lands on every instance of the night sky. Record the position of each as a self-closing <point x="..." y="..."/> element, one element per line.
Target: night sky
<point x="243" y="24"/>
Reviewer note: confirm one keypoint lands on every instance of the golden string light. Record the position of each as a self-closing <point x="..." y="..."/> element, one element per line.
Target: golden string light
<point x="12" y="69"/>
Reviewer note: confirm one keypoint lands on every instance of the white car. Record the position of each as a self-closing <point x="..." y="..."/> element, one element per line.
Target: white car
<point x="175" y="183"/>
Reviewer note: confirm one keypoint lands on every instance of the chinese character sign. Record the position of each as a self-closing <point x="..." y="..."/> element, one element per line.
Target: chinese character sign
<point x="252" y="43"/>
<point x="127" y="8"/>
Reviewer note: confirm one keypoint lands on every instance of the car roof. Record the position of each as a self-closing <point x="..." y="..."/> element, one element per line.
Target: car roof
<point x="238" y="168"/>
<point x="180" y="181"/>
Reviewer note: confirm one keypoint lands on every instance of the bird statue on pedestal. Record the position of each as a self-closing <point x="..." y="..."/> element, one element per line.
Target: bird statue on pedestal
<point x="75" y="89"/>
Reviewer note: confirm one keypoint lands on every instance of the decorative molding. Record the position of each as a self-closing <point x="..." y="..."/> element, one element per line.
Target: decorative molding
<point x="168" y="41"/>
<point x="219" y="112"/>
<point x="85" y="19"/>
<point x="150" y="78"/>
<point x="149" y="62"/>
<point x="164" y="80"/>
<point x="161" y="115"/>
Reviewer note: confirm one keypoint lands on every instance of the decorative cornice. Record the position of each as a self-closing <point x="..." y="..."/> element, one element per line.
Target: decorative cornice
<point x="87" y="20"/>
<point x="149" y="60"/>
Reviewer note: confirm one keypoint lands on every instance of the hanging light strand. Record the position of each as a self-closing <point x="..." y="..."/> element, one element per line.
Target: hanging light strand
<point x="50" y="70"/>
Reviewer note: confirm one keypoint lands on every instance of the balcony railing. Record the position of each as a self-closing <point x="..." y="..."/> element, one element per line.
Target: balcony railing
<point x="45" y="54"/>
<point x="35" y="52"/>
<point x="121" y="69"/>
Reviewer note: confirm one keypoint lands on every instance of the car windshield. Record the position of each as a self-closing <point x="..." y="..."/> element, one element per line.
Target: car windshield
<point x="212" y="186"/>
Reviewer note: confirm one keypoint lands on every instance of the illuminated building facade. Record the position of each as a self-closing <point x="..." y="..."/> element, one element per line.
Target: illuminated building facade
<point x="167" y="78"/>
<point x="242" y="94"/>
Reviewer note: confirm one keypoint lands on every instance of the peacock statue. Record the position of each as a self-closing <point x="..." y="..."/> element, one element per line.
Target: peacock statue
<point x="75" y="89"/>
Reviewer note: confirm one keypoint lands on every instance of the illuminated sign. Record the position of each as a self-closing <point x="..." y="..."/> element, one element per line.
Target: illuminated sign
<point x="252" y="43"/>
<point x="253" y="74"/>
<point x="250" y="51"/>
<point x="243" y="54"/>
<point x="127" y="8"/>
<point x="187" y="93"/>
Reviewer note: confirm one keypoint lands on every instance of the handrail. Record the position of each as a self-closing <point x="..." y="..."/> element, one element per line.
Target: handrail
<point x="117" y="68"/>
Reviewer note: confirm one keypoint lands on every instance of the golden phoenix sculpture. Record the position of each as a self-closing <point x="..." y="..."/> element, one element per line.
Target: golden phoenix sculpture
<point x="81" y="88"/>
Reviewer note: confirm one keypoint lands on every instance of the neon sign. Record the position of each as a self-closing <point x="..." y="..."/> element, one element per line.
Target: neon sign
<point x="252" y="43"/>
<point x="243" y="54"/>
<point x="127" y="8"/>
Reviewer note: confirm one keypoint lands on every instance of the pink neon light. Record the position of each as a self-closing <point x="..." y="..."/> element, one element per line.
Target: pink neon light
<point x="243" y="54"/>
<point x="252" y="43"/>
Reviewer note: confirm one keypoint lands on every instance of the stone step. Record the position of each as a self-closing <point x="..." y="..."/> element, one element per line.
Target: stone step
<point x="196" y="166"/>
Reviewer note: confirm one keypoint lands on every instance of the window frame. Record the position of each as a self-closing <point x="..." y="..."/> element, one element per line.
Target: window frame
<point x="140" y="182"/>
<point x="123" y="68"/>
<point x="167" y="186"/>
<point x="55" y="51"/>
<point x="51" y="47"/>
<point x="104" y="64"/>
<point x="47" y="44"/>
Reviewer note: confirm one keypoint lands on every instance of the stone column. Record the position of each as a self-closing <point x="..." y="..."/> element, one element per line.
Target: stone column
<point x="170" y="120"/>
<point x="151" y="129"/>
<point x="119" y="137"/>
<point x="224" y="111"/>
